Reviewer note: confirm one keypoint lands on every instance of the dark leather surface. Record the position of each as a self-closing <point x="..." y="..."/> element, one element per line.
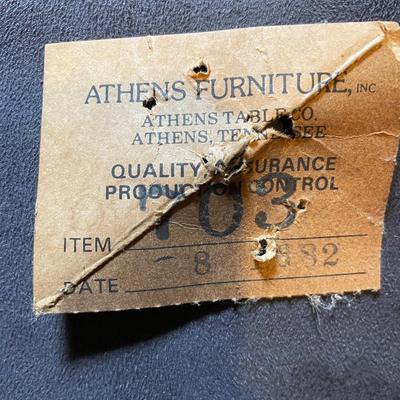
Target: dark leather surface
<point x="213" y="351"/>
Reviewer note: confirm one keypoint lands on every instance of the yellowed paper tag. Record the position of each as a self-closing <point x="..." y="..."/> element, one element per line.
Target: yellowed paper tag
<point x="170" y="171"/>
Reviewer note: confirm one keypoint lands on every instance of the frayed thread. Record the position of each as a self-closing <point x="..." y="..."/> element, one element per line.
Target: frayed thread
<point x="318" y="303"/>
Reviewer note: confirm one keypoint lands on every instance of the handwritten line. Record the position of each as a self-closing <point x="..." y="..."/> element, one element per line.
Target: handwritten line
<point x="179" y="246"/>
<point x="242" y="281"/>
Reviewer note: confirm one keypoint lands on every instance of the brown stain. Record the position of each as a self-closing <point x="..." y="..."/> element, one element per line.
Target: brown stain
<point x="201" y="71"/>
<point x="267" y="269"/>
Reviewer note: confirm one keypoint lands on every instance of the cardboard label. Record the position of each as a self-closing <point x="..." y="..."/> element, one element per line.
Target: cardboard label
<point x="251" y="163"/>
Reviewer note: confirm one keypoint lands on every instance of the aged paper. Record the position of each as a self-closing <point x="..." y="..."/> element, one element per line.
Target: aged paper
<point x="250" y="163"/>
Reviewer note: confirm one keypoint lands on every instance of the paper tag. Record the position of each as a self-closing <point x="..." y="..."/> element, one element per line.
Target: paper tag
<point x="167" y="167"/>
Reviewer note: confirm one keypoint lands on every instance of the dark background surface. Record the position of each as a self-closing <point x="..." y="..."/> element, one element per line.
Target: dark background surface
<point x="213" y="351"/>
